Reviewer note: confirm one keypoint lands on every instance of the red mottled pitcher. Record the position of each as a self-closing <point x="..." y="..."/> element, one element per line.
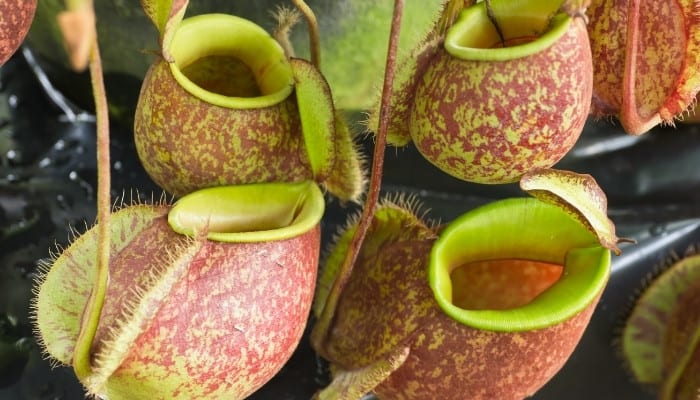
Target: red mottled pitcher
<point x="207" y="299"/>
<point x="15" y="19"/>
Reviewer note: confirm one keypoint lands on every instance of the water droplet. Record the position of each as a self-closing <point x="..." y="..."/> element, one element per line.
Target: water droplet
<point x="14" y="156"/>
<point x="44" y="162"/>
<point x="75" y="177"/>
<point x="657" y="229"/>
<point x="118" y="166"/>
<point x="59" y="145"/>
<point x="64" y="202"/>
<point x="12" y="100"/>
<point x="8" y="323"/>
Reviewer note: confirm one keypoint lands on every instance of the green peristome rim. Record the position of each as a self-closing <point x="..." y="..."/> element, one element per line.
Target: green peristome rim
<point x="473" y="35"/>
<point x="222" y="34"/>
<point x="259" y="212"/>
<point x="522" y="228"/>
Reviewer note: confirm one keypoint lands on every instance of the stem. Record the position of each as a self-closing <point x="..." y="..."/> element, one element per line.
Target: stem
<point x="319" y="333"/>
<point x="93" y="310"/>
<point x="314" y="35"/>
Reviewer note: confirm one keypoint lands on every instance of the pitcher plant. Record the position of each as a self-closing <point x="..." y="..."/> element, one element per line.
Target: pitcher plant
<point x="225" y="105"/>
<point x="490" y="306"/>
<point x="206" y="299"/>
<point x="504" y="91"/>
<point x="15" y="19"/>
<point x="660" y="340"/>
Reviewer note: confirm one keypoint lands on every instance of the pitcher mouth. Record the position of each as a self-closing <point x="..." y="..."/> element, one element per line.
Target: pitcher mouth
<point x="259" y="212"/>
<point x="571" y="267"/>
<point x="230" y="62"/>
<point x="474" y="36"/>
<point x="501" y="284"/>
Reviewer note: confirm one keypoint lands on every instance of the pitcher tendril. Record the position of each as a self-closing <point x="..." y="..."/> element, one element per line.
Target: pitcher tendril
<point x="319" y="333"/>
<point x="93" y="310"/>
<point x="314" y="35"/>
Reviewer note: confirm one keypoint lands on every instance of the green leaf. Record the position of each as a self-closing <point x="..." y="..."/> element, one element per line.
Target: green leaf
<point x="317" y="115"/>
<point x="578" y="195"/>
<point x="166" y="16"/>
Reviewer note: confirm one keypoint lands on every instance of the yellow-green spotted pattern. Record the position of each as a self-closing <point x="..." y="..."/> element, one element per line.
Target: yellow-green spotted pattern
<point x="15" y="19"/>
<point x="665" y="65"/>
<point x="186" y="143"/>
<point x="183" y="318"/>
<point x="387" y="305"/>
<point x="491" y="122"/>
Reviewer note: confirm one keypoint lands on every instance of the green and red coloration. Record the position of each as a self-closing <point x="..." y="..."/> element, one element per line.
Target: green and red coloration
<point x="231" y="109"/>
<point x="488" y="112"/>
<point x="166" y="15"/>
<point x="580" y="196"/>
<point x="206" y="299"/>
<point x="647" y="60"/>
<point x="407" y="326"/>
<point x="661" y="337"/>
<point x="16" y="17"/>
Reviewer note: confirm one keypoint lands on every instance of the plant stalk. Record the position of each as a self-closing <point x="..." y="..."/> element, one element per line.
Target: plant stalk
<point x="93" y="310"/>
<point x="318" y="335"/>
<point x="314" y="35"/>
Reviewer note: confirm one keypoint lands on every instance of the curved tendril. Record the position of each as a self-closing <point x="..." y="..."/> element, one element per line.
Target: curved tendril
<point x="314" y="36"/>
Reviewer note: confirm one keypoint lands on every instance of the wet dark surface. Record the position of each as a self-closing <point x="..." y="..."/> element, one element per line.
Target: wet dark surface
<point x="47" y="181"/>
